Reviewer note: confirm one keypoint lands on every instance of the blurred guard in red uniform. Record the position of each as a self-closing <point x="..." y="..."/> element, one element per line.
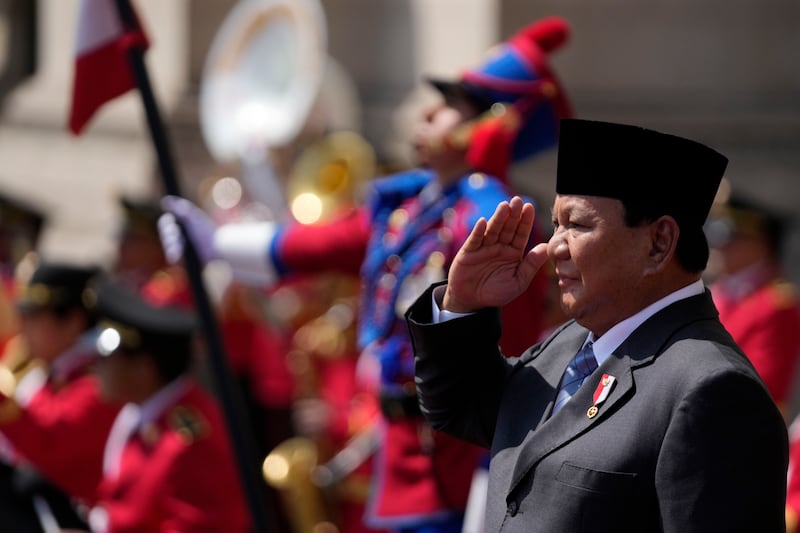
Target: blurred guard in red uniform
<point x="167" y="463"/>
<point x="255" y="353"/>
<point x="402" y="240"/>
<point x="140" y="262"/>
<point x="140" y="255"/>
<point x="757" y="304"/>
<point x="760" y="307"/>
<point x="51" y="412"/>
<point x="20" y="228"/>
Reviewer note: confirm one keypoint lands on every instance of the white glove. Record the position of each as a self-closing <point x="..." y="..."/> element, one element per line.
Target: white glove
<point x="199" y="227"/>
<point x="244" y="246"/>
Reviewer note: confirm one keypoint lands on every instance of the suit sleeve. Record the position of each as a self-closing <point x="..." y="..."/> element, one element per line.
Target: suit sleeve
<point x="459" y="370"/>
<point x="733" y="479"/>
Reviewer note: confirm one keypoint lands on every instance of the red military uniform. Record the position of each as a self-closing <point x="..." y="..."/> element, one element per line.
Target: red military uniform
<point x="58" y="422"/>
<point x="52" y="418"/>
<point x="256" y="354"/>
<point x="756" y="304"/>
<point x="761" y="310"/>
<point x="169" y="467"/>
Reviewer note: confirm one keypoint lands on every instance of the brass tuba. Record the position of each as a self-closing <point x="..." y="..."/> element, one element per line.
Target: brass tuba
<point x="326" y="178"/>
<point x="287" y="469"/>
<point x="329" y="175"/>
<point x="261" y="76"/>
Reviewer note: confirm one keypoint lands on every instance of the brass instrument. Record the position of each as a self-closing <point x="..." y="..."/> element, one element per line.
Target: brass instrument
<point x="328" y="176"/>
<point x="262" y="75"/>
<point x="309" y="471"/>
<point x="15" y="359"/>
<point x="261" y="80"/>
<point x="286" y="468"/>
<point x="15" y="364"/>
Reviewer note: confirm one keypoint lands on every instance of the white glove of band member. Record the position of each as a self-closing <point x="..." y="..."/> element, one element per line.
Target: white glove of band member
<point x="244" y="246"/>
<point x="199" y="228"/>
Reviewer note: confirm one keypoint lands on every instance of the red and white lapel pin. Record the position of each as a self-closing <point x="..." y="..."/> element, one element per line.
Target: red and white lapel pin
<point x="601" y="393"/>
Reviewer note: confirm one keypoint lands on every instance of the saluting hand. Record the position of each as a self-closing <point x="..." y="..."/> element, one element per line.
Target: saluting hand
<point x="492" y="267"/>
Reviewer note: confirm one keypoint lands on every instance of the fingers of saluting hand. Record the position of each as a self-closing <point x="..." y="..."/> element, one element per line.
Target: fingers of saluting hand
<point x="511" y="224"/>
<point x="522" y="232"/>
<point x="496" y="226"/>
<point x="475" y="239"/>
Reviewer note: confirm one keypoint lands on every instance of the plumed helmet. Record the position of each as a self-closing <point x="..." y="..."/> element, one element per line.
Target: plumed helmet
<point x="522" y="99"/>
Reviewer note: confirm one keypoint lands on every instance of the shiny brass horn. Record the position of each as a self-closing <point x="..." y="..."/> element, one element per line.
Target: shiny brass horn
<point x="262" y="75"/>
<point x="287" y="468"/>
<point x="329" y="175"/>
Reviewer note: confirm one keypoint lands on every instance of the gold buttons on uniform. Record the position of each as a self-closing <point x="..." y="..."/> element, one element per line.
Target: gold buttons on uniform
<point x="398" y="218"/>
<point x="393" y="262"/>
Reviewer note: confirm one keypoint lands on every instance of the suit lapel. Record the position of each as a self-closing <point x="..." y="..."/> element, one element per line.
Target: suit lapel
<point x="639" y="349"/>
<point x="572" y="420"/>
<point x="550" y="368"/>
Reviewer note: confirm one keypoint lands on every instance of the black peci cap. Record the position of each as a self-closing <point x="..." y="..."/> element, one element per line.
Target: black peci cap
<point x="673" y="175"/>
<point x="55" y="286"/>
<point x="129" y="322"/>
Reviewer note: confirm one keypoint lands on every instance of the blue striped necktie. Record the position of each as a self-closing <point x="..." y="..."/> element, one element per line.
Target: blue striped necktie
<point x="577" y="371"/>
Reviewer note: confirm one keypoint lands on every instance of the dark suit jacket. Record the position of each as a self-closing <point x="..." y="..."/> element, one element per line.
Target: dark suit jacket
<point x="688" y="439"/>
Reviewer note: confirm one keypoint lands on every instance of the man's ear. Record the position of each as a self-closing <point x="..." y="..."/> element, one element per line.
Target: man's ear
<point x="664" y="234"/>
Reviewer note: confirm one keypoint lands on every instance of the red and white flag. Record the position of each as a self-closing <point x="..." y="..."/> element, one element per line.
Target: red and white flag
<point x="102" y="69"/>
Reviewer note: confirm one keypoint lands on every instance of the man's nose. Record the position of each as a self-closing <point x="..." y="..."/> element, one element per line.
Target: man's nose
<point x="557" y="245"/>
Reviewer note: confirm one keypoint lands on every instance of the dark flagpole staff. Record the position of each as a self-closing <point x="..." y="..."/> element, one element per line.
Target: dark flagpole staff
<point x="229" y="396"/>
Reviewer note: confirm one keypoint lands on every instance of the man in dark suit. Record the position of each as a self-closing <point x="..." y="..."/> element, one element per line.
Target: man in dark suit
<point x="660" y="422"/>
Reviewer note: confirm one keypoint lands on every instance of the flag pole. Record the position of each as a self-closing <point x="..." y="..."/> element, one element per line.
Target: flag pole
<point x="229" y="396"/>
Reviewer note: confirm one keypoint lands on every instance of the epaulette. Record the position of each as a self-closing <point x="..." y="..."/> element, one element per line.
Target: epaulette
<point x="188" y="423"/>
<point x="784" y="293"/>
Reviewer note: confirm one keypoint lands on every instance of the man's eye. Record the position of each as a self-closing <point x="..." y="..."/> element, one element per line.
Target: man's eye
<point x="575" y="224"/>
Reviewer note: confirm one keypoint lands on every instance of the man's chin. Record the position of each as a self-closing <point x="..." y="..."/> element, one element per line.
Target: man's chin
<point x="569" y="304"/>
